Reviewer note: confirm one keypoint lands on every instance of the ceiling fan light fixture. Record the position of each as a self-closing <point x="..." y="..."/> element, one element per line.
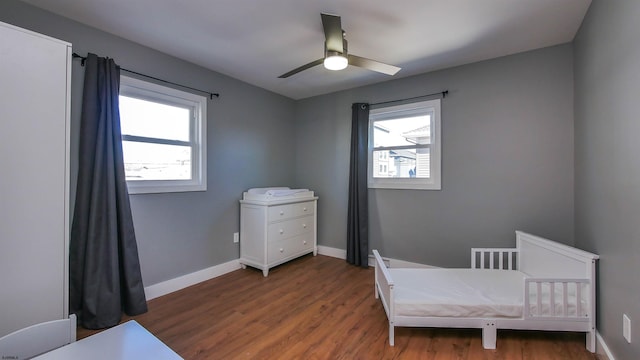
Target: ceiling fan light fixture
<point x="335" y="61"/>
<point x="336" y="55"/>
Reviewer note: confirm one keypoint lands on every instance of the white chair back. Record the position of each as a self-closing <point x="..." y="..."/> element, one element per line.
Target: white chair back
<point x="38" y="339"/>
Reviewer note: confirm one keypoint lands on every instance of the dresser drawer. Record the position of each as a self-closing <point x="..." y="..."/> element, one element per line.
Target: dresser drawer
<point x="288" y="211"/>
<point x="282" y="249"/>
<point x="278" y="250"/>
<point x="288" y="228"/>
<point x="305" y="208"/>
<point x="305" y="243"/>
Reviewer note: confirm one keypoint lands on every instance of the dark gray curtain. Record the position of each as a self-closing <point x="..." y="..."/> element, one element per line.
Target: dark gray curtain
<point x="104" y="269"/>
<point x="358" y="213"/>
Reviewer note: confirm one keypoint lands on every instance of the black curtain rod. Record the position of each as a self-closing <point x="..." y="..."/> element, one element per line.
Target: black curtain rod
<point x="211" y="95"/>
<point x="443" y="93"/>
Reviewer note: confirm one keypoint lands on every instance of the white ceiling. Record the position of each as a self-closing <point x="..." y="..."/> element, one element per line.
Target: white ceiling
<point x="258" y="40"/>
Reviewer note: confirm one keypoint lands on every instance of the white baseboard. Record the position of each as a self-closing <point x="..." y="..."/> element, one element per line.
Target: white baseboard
<point x="394" y="263"/>
<point x="602" y="349"/>
<point x="333" y="252"/>
<point x="169" y="286"/>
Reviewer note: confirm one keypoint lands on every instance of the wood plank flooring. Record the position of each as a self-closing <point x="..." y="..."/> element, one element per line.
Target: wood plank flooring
<point x="319" y="308"/>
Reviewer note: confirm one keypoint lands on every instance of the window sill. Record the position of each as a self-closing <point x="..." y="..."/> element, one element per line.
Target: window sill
<point x="405" y="185"/>
<point x="138" y="189"/>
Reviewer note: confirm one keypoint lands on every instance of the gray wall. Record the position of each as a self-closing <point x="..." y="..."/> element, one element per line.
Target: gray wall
<point x="248" y="128"/>
<point x="508" y="157"/>
<point x="607" y="91"/>
<point x="507" y="160"/>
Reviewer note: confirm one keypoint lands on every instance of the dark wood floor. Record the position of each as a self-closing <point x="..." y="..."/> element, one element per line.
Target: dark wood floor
<point x="319" y="308"/>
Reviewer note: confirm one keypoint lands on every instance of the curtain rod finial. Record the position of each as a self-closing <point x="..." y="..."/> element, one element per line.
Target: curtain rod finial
<point x="82" y="58"/>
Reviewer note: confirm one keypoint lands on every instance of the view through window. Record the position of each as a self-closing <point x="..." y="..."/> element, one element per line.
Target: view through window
<point x="163" y="137"/>
<point x="404" y="146"/>
<point x="155" y="140"/>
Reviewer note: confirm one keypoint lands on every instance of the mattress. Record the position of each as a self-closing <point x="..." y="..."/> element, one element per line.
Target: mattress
<point x="457" y="292"/>
<point x="475" y="293"/>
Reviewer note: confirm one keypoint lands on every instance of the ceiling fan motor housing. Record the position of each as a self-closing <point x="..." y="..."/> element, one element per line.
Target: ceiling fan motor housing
<point x="344" y="52"/>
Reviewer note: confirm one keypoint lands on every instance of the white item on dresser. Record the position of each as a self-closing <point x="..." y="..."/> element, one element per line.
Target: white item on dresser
<point x="34" y="186"/>
<point x="276" y="193"/>
<point x="286" y="192"/>
<point x="276" y="229"/>
<point x="262" y="191"/>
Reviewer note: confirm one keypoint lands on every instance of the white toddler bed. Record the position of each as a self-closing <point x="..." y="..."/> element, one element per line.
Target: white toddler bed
<point x="538" y="285"/>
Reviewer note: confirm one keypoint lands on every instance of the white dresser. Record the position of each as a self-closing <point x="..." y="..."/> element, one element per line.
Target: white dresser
<point x="274" y="230"/>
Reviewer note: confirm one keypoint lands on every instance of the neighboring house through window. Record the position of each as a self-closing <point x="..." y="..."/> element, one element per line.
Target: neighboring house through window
<point x="163" y="137"/>
<point x="404" y="141"/>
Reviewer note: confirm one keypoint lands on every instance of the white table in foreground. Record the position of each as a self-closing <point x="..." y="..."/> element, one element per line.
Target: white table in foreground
<point x="125" y="341"/>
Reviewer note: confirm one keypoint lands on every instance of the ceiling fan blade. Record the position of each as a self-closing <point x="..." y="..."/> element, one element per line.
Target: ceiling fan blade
<point x="333" y="32"/>
<point x="372" y="65"/>
<point x="301" y="68"/>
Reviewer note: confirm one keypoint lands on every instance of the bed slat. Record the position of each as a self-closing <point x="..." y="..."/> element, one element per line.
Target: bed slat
<point x="545" y="298"/>
<point x="483" y="253"/>
<point x="579" y="297"/>
<point x="539" y="297"/>
<point x="552" y="298"/>
<point x="565" y="299"/>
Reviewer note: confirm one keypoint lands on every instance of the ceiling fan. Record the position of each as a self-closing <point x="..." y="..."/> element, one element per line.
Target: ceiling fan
<point x="336" y="56"/>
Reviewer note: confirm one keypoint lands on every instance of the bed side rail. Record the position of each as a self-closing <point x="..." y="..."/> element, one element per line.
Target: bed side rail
<point x="383" y="284"/>
<point x="494" y="258"/>
<point x="553" y="299"/>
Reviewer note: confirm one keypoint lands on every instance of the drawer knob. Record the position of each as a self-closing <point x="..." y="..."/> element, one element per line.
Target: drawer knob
<point x="281" y="250"/>
<point x="281" y="231"/>
<point x="304" y="209"/>
<point x="281" y="212"/>
<point x="304" y="226"/>
<point x="304" y="242"/>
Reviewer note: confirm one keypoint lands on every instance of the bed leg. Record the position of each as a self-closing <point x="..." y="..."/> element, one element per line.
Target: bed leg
<point x="391" y="335"/>
<point x="489" y="330"/>
<point x="591" y="341"/>
<point x="375" y="291"/>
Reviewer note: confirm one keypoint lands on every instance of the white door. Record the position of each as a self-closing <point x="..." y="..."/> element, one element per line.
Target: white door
<point x="34" y="78"/>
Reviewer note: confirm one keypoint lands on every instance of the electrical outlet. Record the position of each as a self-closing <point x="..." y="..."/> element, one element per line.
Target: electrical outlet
<point x="236" y="238"/>
<point x="626" y="327"/>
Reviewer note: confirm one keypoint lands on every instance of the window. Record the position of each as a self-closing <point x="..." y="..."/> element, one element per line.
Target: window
<point x="404" y="141"/>
<point x="163" y="138"/>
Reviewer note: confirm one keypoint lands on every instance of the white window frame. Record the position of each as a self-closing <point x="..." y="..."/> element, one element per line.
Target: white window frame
<point x="145" y="90"/>
<point x="406" y="110"/>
